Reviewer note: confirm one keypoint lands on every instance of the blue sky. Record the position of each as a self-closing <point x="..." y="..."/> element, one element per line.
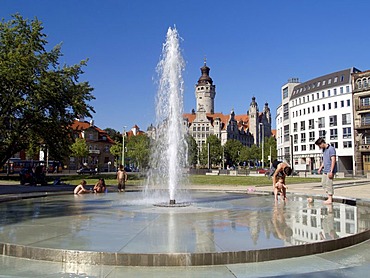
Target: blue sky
<point x="252" y="47"/>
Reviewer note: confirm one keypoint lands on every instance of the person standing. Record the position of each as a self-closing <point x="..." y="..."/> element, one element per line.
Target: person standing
<point x="328" y="168"/>
<point x="121" y="179"/>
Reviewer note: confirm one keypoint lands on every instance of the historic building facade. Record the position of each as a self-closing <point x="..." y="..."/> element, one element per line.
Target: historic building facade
<point x="361" y="116"/>
<point x="321" y="107"/>
<point x="204" y="121"/>
<point x="98" y="142"/>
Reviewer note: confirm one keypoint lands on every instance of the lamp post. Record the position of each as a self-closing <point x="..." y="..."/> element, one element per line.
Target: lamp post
<point x="263" y="142"/>
<point x="123" y="146"/>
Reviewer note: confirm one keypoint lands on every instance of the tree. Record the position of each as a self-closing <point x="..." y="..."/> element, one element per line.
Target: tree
<point x="215" y="151"/>
<point x="116" y="151"/>
<point x="192" y="150"/>
<point x="79" y="149"/>
<point x="39" y="99"/>
<point x="232" y="149"/>
<point x="138" y="150"/>
<point x="270" y="142"/>
<point x="114" y="134"/>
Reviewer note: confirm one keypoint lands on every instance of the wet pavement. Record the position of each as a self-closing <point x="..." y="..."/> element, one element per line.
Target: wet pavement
<point x="349" y="262"/>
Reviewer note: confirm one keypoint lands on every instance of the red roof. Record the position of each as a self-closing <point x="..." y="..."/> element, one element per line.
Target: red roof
<point x="83" y="125"/>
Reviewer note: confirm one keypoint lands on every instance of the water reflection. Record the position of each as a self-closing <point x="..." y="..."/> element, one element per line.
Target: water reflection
<point x="227" y="222"/>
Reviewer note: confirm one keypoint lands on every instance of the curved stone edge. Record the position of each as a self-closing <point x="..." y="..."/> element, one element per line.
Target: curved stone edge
<point x="178" y="259"/>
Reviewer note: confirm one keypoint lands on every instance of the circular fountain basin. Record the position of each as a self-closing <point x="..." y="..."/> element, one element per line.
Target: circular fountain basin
<point x="216" y="228"/>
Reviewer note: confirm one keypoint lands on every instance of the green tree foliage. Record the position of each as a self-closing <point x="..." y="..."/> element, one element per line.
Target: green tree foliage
<point x="232" y="150"/>
<point x="39" y="99"/>
<point x="250" y="154"/>
<point x="192" y="151"/>
<point x="116" y="151"/>
<point x="114" y="134"/>
<point x="138" y="150"/>
<point x="270" y="142"/>
<point x="79" y="149"/>
<point x="215" y="151"/>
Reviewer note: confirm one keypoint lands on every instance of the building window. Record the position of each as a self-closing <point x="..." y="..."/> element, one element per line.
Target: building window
<point x="365" y="83"/>
<point x="333" y="120"/>
<point x="333" y="134"/>
<point x="303" y="137"/>
<point x="329" y="81"/>
<point x="335" y="92"/>
<point x="348" y="102"/>
<point x="313" y="109"/>
<point x="322" y="133"/>
<point x="296" y="148"/>
<point x="341" y="90"/>
<point x="321" y="122"/>
<point x="303" y="126"/>
<point x="285" y="92"/>
<point x="286" y="133"/>
<point x="328" y="93"/>
<point x="347" y="133"/>
<point x="311" y="124"/>
<point x="329" y="105"/>
<point x="312" y="147"/>
<point x="342" y="103"/>
<point x="106" y="148"/>
<point x="323" y="107"/>
<point x="311" y="136"/>
<point x="323" y="94"/>
<point x="347" y="144"/>
<point x="286" y="111"/>
<point x="346" y="119"/>
<point x="342" y="78"/>
<point x="295" y="127"/>
<point x="317" y="95"/>
<point x="334" y="144"/>
<point x="365" y="119"/>
<point x="295" y="140"/>
<point x="366" y="140"/>
<point x="336" y="79"/>
<point x="365" y="101"/>
<point x="312" y="97"/>
<point x="347" y="89"/>
<point x="308" y="110"/>
<point x="323" y="82"/>
<point x="359" y="84"/>
<point x="335" y="105"/>
<point x="91" y="136"/>
<point x="318" y="108"/>
<point x="303" y="147"/>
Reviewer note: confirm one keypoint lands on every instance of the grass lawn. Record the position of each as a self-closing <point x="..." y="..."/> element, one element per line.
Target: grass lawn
<point x="244" y="180"/>
<point x="110" y="180"/>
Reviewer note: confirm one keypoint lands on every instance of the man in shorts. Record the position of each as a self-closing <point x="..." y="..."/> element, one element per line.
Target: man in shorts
<point x="328" y="168"/>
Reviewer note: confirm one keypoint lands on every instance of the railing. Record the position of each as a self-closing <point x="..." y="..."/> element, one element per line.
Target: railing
<point x="94" y="151"/>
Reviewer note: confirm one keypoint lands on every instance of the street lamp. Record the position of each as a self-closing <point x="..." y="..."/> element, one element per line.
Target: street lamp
<point x="263" y="142"/>
<point x="123" y="146"/>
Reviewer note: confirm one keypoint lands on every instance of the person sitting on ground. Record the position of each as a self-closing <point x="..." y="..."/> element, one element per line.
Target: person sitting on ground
<point x="100" y="186"/>
<point x="80" y="189"/>
<point x="282" y="170"/>
<point x="281" y="188"/>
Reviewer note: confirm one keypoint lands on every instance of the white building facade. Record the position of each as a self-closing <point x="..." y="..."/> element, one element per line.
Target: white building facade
<point x="321" y="107"/>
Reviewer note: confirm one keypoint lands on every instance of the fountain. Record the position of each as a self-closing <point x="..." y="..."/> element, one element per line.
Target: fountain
<point x="218" y="228"/>
<point x="168" y="150"/>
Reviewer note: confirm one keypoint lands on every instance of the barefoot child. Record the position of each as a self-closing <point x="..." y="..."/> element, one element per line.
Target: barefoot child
<point x="80" y="189"/>
<point x="281" y="188"/>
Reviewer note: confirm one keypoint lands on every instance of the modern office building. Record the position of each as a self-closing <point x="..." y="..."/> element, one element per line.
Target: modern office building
<point x="321" y="107"/>
<point x="361" y="116"/>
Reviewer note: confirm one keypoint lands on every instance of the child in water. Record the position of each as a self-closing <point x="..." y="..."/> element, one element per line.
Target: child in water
<point x="281" y="188"/>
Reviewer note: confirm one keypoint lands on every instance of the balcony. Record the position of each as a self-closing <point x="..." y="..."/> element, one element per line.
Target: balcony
<point x="94" y="151"/>
<point x="362" y="107"/>
<point x="365" y="147"/>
